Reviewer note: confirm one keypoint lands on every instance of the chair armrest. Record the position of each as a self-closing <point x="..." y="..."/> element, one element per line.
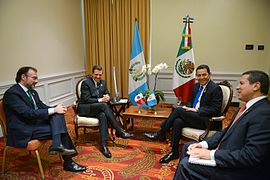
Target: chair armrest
<point x="220" y="118"/>
<point x="210" y="124"/>
<point x="74" y="107"/>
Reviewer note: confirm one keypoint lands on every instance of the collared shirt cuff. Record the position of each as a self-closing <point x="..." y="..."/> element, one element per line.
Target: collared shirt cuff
<point x="99" y="99"/>
<point x="204" y="144"/>
<point x="212" y="154"/>
<point x="51" y="111"/>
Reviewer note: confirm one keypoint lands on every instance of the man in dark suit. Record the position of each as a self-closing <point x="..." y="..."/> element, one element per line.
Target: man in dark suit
<point x="29" y="118"/>
<point x="93" y="103"/>
<point x="240" y="151"/>
<point x="205" y="102"/>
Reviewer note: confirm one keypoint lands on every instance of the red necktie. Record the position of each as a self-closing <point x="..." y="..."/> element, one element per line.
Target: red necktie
<point x="240" y="112"/>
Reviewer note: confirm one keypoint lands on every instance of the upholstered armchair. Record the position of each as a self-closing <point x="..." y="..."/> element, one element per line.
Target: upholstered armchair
<point x="200" y="134"/>
<point x="80" y="121"/>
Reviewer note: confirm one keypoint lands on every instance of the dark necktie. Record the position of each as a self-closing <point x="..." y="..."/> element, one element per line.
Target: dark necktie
<point x="197" y="96"/>
<point x="31" y="98"/>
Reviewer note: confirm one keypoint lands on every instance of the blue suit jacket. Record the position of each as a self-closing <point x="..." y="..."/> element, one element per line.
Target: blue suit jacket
<point x="90" y="94"/>
<point x="211" y="99"/>
<point x="244" y="151"/>
<point x="21" y="116"/>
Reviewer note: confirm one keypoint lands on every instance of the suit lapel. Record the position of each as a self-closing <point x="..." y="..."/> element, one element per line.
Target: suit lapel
<point x="208" y="86"/>
<point x="241" y="118"/>
<point x="24" y="95"/>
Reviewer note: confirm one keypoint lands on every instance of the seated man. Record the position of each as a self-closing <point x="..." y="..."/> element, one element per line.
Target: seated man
<point x="205" y="102"/>
<point x="240" y="151"/>
<point x="93" y="103"/>
<point x="29" y="118"/>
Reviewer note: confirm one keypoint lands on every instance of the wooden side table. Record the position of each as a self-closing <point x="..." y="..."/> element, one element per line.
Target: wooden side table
<point x="123" y="103"/>
<point x="134" y="112"/>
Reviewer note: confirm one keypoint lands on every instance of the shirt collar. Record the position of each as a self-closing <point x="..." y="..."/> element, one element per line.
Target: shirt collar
<point x="205" y="85"/>
<point x="253" y="101"/>
<point x="23" y="87"/>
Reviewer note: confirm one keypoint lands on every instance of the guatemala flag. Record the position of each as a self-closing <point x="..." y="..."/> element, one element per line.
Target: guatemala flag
<point x="137" y="79"/>
<point x="151" y="100"/>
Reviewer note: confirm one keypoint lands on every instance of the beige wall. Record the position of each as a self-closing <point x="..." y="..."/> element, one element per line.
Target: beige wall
<point x="46" y="34"/>
<point x="219" y="33"/>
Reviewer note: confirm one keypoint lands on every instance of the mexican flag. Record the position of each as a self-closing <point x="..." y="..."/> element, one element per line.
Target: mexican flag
<point x="184" y="74"/>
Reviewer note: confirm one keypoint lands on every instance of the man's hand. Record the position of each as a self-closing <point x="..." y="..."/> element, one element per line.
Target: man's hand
<point x="105" y="98"/>
<point x="189" y="109"/>
<point x="195" y="145"/>
<point x="200" y="153"/>
<point x="60" y="109"/>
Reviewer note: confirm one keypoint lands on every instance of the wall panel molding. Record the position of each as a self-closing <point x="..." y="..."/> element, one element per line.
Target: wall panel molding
<point x="165" y="80"/>
<point x="54" y="89"/>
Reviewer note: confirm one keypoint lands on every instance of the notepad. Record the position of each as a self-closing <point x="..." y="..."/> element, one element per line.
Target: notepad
<point x="123" y="100"/>
<point x="204" y="162"/>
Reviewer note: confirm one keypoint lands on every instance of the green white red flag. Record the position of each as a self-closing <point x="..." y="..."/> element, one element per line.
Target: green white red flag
<point x="184" y="75"/>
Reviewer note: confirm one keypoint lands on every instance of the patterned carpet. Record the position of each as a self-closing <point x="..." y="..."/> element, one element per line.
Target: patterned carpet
<point x="135" y="158"/>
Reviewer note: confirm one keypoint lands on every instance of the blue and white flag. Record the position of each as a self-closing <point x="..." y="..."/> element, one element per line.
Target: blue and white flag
<point x="137" y="78"/>
<point x="151" y="100"/>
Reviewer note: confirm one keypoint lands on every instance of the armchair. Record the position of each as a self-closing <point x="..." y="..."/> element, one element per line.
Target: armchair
<point x="32" y="146"/>
<point x="199" y="134"/>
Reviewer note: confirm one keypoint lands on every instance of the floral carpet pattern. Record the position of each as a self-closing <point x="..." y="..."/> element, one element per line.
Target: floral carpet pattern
<point x="135" y="158"/>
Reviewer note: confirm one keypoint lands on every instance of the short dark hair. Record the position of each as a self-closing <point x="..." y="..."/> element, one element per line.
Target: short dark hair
<point x="203" y="66"/>
<point x="23" y="70"/>
<point x="96" y="67"/>
<point x="259" y="76"/>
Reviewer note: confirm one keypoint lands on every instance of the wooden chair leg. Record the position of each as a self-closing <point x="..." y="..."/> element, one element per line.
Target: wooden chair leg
<point x="40" y="165"/>
<point x="60" y="157"/>
<point x="4" y="160"/>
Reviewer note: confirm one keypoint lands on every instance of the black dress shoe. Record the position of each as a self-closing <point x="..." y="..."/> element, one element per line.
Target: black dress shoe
<point x="105" y="151"/>
<point x="73" y="167"/>
<point x="61" y="149"/>
<point x="124" y="134"/>
<point x="156" y="136"/>
<point x="168" y="157"/>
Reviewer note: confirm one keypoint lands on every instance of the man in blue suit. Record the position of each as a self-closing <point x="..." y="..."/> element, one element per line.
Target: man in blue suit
<point x="94" y="103"/>
<point x="29" y="118"/>
<point x="242" y="150"/>
<point x="205" y="102"/>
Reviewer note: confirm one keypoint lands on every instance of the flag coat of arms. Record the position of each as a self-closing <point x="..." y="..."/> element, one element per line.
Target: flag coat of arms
<point x="137" y="79"/>
<point x="140" y="100"/>
<point x="184" y="75"/>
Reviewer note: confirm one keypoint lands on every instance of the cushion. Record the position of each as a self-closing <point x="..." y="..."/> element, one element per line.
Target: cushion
<point x="87" y="121"/>
<point x="194" y="134"/>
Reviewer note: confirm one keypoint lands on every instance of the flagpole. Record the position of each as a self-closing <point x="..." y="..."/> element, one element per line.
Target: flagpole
<point x="115" y="86"/>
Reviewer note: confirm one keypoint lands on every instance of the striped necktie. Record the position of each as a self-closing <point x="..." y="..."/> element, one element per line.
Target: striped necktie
<point x="31" y="98"/>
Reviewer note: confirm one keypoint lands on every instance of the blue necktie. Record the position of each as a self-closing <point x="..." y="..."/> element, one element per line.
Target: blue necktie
<point x="197" y="96"/>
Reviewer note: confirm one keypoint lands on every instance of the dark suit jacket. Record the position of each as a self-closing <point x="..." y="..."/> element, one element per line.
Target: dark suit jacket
<point x="211" y="99"/>
<point x="244" y="151"/>
<point x="90" y="94"/>
<point x="21" y="116"/>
